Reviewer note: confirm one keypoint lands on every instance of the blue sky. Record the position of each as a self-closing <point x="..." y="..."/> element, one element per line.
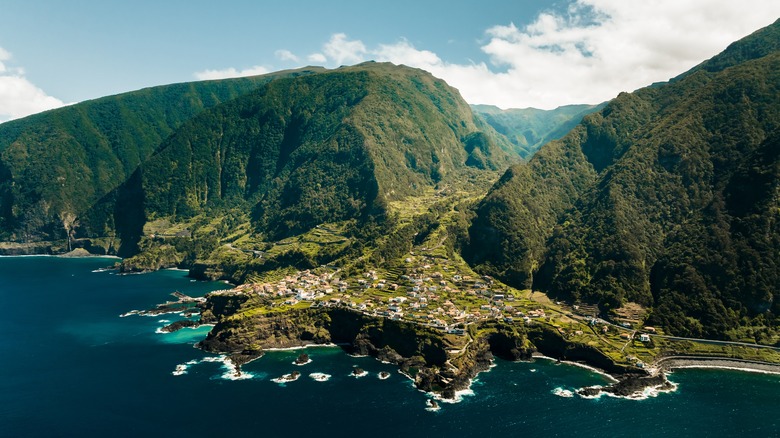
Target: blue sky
<point x="510" y="53"/>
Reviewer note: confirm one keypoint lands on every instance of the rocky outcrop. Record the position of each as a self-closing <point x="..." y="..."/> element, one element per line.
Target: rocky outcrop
<point x="630" y="386"/>
<point x="178" y="325"/>
<point x="458" y="372"/>
<point x="510" y="343"/>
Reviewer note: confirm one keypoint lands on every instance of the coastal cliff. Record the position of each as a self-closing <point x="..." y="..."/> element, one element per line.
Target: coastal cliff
<point x="438" y="362"/>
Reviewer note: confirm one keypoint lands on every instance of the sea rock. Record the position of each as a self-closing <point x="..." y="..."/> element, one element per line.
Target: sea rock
<point x="629" y="386"/>
<point x="178" y="325"/>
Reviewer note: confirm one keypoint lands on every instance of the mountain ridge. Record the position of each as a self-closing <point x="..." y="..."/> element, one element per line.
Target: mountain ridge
<point x="635" y="179"/>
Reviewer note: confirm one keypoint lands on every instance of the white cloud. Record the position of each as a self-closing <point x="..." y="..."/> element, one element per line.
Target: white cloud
<point x="587" y="53"/>
<point x="230" y="73"/>
<point x="343" y="51"/>
<point x="18" y="96"/>
<point x="318" y="58"/>
<point x="286" y="55"/>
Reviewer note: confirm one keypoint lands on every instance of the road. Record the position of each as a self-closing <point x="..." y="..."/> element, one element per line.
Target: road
<point x="574" y="316"/>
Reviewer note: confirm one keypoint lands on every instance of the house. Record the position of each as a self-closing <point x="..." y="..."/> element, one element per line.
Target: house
<point x="304" y="295"/>
<point x="644" y="337"/>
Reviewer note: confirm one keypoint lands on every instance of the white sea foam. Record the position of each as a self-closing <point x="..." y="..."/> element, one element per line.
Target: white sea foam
<point x="533" y="370"/>
<point x="468" y="392"/>
<point x="430" y="407"/>
<point x="580" y="365"/>
<point x="301" y="347"/>
<point x="159" y="331"/>
<point x="130" y="313"/>
<point x="295" y="362"/>
<point x="232" y="372"/>
<point x="560" y="392"/>
<point x="384" y="376"/>
<point x="164" y="321"/>
<point x="363" y="373"/>
<point x="181" y="369"/>
<point x="320" y="377"/>
<point x="592" y="397"/>
<point x="748" y="370"/>
<point x="286" y="378"/>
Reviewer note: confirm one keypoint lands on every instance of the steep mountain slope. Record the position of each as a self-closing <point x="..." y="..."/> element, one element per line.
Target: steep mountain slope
<point x="320" y="148"/>
<point x="62" y="161"/>
<point x="667" y="197"/>
<point x="529" y="128"/>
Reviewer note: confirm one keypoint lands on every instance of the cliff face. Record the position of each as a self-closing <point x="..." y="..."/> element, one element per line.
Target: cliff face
<point x="436" y="361"/>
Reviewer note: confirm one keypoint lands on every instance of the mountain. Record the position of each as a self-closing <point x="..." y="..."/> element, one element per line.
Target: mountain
<point x="325" y="147"/>
<point x="62" y="161"/>
<point x="668" y="197"/>
<point x="256" y="160"/>
<point x="529" y="128"/>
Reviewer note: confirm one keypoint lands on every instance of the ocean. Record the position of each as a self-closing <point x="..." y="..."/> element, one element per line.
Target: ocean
<point x="71" y="366"/>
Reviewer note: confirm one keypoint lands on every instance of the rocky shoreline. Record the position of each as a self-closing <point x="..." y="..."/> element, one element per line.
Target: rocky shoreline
<point x="438" y="363"/>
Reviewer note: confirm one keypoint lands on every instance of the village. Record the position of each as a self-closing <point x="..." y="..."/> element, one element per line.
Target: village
<point x="438" y="295"/>
<point x="424" y="290"/>
<point x="447" y="295"/>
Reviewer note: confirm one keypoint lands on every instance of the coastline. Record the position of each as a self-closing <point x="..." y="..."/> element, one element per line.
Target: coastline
<point x="63" y="256"/>
<point x="669" y="364"/>
<point x="579" y="365"/>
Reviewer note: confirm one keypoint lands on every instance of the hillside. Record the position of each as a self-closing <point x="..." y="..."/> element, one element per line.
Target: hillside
<point x="344" y="148"/>
<point x="62" y="161"/>
<point x="667" y="197"/>
<point x="529" y="128"/>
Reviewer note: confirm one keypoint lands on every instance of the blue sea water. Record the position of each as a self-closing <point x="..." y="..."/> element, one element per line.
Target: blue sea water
<point x="70" y="366"/>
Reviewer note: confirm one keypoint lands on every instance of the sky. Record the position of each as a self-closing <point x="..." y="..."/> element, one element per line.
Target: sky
<point x="508" y="53"/>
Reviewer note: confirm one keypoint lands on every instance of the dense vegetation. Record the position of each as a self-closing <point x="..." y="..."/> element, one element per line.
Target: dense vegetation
<point x="60" y="162"/>
<point x="249" y="162"/>
<point x="667" y="197"/>
<point x="530" y="128"/>
<point x="321" y="148"/>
